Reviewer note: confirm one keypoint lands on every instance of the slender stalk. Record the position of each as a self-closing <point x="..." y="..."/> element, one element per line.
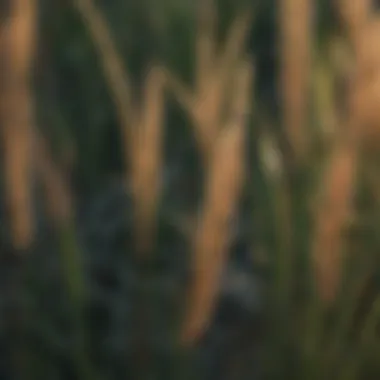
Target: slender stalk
<point x="296" y="31"/>
<point x="17" y="48"/>
<point x="214" y="74"/>
<point x="16" y="110"/>
<point x="226" y="175"/>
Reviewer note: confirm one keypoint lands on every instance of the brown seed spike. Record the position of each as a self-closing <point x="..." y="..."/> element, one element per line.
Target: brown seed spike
<point x="147" y="160"/>
<point x="296" y="27"/>
<point x="331" y="218"/>
<point x="17" y="38"/>
<point x="212" y="235"/>
<point x="223" y="185"/>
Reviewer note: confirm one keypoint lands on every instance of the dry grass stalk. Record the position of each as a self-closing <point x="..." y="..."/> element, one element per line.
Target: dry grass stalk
<point x="113" y="68"/>
<point x="147" y="160"/>
<point x="338" y="189"/>
<point x="355" y="15"/>
<point x="296" y="31"/>
<point x="214" y="72"/>
<point x="211" y="240"/>
<point x="338" y="183"/>
<point x="363" y="29"/>
<point x="18" y="36"/>
<point x="141" y="125"/>
<point x="332" y="214"/>
<point x="367" y="47"/>
<point x="367" y="95"/>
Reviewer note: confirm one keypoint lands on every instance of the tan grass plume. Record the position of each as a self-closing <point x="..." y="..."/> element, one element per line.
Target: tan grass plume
<point x="147" y="160"/>
<point x="296" y="36"/>
<point x="17" y="43"/>
<point x="333" y="212"/>
<point x="141" y="124"/>
<point x="362" y="27"/>
<point x="214" y="70"/>
<point x="223" y="185"/>
<point x="338" y="182"/>
<point x="355" y="15"/>
<point x="367" y="81"/>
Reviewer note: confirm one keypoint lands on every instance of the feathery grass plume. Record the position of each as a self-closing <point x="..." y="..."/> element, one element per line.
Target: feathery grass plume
<point x="338" y="182"/>
<point x="17" y="42"/>
<point x="355" y="15"/>
<point x="358" y="26"/>
<point x="334" y="206"/>
<point x="147" y="160"/>
<point x="296" y="34"/>
<point x="367" y="94"/>
<point x="141" y="124"/>
<point x="210" y="245"/>
<point x="18" y="37"/>
<point x="210" y="104"/>
<point x="363" y="30"/>
<point x="332" y="213"/>
<point x="205" y="104"/>
<point x="367" y="47"/>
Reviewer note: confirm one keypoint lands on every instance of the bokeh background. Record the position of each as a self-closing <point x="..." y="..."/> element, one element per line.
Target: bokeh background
<point x="296" y="294"/>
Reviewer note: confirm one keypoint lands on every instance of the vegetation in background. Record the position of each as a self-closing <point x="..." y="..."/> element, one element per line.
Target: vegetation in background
<point x="190" y="190"/>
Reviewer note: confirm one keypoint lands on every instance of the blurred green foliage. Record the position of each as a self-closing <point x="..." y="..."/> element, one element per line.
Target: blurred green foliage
<point x="77" y="114"/>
